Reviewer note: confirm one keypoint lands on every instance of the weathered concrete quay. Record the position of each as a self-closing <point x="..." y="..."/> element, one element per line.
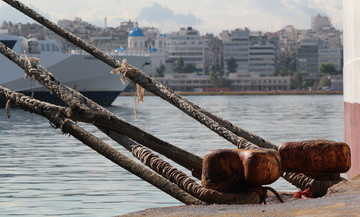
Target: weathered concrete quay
<point x="342" y="199"/>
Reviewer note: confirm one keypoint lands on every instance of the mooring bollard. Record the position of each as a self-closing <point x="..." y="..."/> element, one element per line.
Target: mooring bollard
<point x="321" y="161"/>
<point x="236" y="170"/>
<point x="315" y="158"/>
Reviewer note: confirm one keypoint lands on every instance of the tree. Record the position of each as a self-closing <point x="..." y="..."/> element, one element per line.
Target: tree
<point x="290" y="62"/>
<point x="231" y="65"/>
<point x="160" y="71"/>
<point x="296" y="81"/>
<point x="324" y="81"/>
<point x="328" y="69"/>
<point x="189" y="68"/>
<point x="215" y="78"/>
<point x="179" y="66"/>
<point x="217" y="68"/>
<point x="283" y="71"/>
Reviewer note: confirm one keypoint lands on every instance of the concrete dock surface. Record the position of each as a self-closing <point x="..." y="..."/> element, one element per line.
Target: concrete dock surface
<point x="342" y="199"/>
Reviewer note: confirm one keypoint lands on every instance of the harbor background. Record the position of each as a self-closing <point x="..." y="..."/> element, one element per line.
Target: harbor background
<point x="45" y="173"/>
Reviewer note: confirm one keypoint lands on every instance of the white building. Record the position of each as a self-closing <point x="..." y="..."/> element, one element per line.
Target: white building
<point x="262" y="58"/>
<point x="186" y="82"/>
<point x="157" y="50"/>
<point x="188" y="45"/>
<point x="236" y="45"/>
<point x="158" y="54"/>
<point x="256" y="82"/>
<point x="330" y="53"/>
<point x="320" y="23"/>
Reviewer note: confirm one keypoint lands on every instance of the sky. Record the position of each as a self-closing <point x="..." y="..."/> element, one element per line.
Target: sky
<point x="207" y="16"/>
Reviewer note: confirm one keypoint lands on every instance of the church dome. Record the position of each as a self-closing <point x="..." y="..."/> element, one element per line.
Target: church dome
<point x="136" y="32"/>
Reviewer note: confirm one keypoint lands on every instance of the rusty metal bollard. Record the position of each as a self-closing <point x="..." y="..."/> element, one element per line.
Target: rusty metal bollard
<point x="236" y="170"/>
<point x="315" y="158"/>
<point x="320" y="161"/>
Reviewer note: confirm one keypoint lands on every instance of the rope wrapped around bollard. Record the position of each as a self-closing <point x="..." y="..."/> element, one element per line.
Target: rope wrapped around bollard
<point x="189" y="185"/>
<point x="222" y="127"/>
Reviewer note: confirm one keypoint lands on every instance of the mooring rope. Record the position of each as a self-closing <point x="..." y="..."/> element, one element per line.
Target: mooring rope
<point x="81" y="105"/>
<point x="253" y="196"/>
<point x="222" y="127"/>
<point x="244" y="144"/>
<point x="318" y="187"/>
<point x="209" y="120"/>
<point x="57" y="115"/>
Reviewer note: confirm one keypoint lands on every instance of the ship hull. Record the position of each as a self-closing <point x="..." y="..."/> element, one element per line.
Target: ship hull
<point x="104" y="98"/>
<point x="79" y="71"/>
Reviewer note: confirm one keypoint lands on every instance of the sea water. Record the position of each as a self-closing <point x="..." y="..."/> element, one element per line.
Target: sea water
<point x="45" y="173"/>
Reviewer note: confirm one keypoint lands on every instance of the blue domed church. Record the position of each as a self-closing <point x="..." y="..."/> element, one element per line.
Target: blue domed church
<point x="136" y="40"/>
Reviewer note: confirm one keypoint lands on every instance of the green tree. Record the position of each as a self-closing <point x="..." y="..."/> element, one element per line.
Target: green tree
<point x="324" y="81"/>
<point x="216" y="78"/>
<point x="328" y="69"/>
<point x="160" y="71"/>
<point x="296" y="81"/>
<point x="231" y="65"/>
<point x="283" y="71"/>
<point x="189" y="68"/>
<point x="290" y="61"/>
<point x="179" y="66"/>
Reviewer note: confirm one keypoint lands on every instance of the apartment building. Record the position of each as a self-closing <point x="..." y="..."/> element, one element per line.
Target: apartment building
<point x="262" y="58"/>
<point x="308" y="56"/>
<point x="236" y="45"/>
<point x="330" y="53"/>
<point x="188" y="45"/>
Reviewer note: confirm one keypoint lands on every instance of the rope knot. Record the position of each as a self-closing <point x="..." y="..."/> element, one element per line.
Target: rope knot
<point x="122" y="70"/>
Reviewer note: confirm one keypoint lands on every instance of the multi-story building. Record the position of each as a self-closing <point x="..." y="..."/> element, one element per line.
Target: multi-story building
<point x="127" y="26"/>
<point x="330" y="53"/>
<point x="262" y="58"/>
<point x="236" y="45"/>
<point x="320" y="23"/>
<point x="188" y="45"/>
<point x="156" y="46"/>
<point x="239" y="82"/>
<point x="253" y="52"/>
<point x="307" y="58"/>
<point x="213" y="52"/>
<point x="186" y="81"/>
<point x="257" y="82"/>
<point x="288" y="39"/>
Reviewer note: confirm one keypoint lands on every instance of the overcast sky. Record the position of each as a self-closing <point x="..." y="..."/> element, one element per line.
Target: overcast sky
<point x="207" y="16"/>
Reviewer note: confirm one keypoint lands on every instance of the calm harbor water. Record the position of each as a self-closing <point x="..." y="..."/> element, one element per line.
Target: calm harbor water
<point x="45" y="173"/>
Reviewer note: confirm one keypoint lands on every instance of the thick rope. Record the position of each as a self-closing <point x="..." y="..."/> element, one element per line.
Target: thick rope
<point x="211" y="121"/>
<point x="244" y="144"/>
<point x="80" y="105"/>
<point x="7" y="108"/>
<point x="189" y="185"/>
<point x="222" y="127"/>
<point x="56" y="115"/>
<point x="318" y="187"/>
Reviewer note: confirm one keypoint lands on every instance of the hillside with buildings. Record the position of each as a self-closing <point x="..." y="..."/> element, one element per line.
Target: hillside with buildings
<point x="233" y="60"/>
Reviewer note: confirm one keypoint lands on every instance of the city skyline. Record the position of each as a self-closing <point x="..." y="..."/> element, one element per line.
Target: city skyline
<point x="206" y="16"/>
